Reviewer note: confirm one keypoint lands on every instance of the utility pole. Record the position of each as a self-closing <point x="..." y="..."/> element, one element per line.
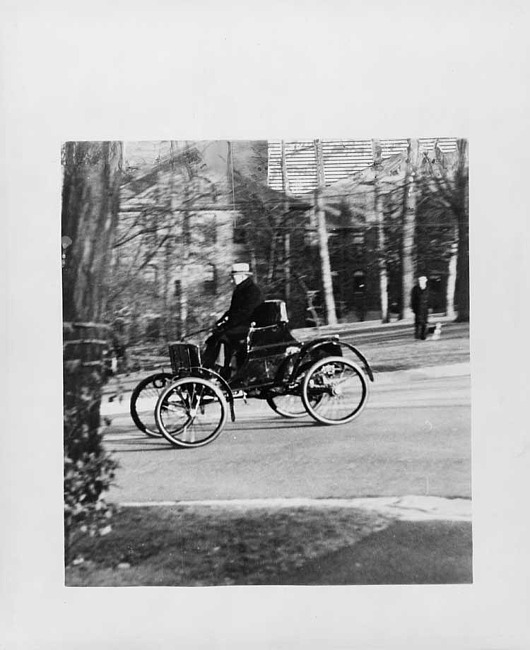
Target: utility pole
<point x="287" y="234"/>
<point x="327" y="281"/>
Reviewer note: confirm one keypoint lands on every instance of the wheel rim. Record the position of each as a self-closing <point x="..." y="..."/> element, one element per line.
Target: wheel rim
<point x="342" y="388"/>
<point x="291" y="406"/>
<point x="191" y="412"/>
<point x="143" y="402"/>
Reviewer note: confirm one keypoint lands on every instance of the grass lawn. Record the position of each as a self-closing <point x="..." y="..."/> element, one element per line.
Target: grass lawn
<point x="200" y="545"/>
<point x="205" y="546"/>
<point x="428" y="552"/>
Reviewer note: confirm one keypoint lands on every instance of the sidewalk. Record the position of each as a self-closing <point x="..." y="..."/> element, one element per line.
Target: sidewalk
<point x="404" y="508"/>
<point x="363" y="326"/>
<point x="427" y="372"/>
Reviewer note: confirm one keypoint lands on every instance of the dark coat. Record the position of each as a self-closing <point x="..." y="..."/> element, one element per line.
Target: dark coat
<point x="419" y="302"/>
<point x="246" y="297"/>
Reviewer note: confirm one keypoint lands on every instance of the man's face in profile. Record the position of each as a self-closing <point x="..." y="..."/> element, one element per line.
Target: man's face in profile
<point x="422" y="281"/>
<point x="238" y="278"/>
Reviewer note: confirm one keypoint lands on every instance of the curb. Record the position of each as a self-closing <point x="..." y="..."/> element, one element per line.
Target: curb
<point x="420" y="374"/>
<point x="405" y="508"/>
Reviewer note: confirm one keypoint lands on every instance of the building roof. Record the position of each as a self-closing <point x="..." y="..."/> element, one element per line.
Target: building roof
<point x="228" y="176"/>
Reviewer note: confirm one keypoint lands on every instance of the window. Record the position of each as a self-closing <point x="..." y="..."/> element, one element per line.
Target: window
<point x="359" y="283"/>
<point x="358" y="243"/>
<point x="151" y="277"/>
<point x="240" y="231"/>
<point x="210" y="283"/>
<point x="209" y="231"/>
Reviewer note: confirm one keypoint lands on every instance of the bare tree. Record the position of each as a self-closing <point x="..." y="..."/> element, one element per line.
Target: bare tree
<point x="447" y="185"/>
<point x="409" y="225"/>
<point x="327" y="281"/>
<point x="381" y="239"/>
<point x="89" y="216"/>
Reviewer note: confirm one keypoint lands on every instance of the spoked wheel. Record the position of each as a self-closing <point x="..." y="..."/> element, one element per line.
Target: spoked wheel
<point x="341" y="386"/>
<point x="143" y="401"/>
<point x="290" y="405"/>
<point x="191" y="412"/>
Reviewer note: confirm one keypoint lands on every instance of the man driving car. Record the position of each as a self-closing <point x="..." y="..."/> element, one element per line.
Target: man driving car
<point x="233" y="326"/>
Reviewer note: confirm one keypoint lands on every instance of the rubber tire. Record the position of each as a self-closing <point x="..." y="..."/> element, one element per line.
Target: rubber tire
<point x="286" y="414"/>
<point x="314" y="369"/>
<point x="167" y="434"/>
<point x="144" y="428"/>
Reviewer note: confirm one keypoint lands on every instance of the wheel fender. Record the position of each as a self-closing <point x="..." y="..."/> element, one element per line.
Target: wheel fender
<point x="330" y="346"/>
<point x="360" y="356"/>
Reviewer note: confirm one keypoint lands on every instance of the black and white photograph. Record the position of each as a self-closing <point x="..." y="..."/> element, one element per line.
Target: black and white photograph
<point x="266" y="362"/>
<point x="264" y="282"/>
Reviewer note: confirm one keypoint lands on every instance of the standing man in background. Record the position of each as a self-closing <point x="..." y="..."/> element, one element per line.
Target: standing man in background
<point x="419" y="303"/>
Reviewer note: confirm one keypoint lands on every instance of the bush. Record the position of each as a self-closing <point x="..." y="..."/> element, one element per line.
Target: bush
<point x="88" y="468"/>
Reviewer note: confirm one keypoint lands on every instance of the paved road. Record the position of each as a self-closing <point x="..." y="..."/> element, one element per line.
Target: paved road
<point x="413" y="438"/>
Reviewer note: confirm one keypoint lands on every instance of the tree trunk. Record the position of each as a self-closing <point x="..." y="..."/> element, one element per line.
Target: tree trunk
<point x="90" y="204"/>
<point x="89" y="217"/>
<point x="381" y="243"/>
<point x="409" y="227"/>
<point x="287" y="265"/>
<point x="451" y="283"/>
<point x="184" y="272"/>
<point x="287" y="234"/>
<point x="327" y="281"/>
<point x="383" y="274"/>
<point x="462" y="216"/>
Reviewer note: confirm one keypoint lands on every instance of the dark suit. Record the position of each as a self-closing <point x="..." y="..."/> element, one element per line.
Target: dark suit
<point x="233" y="326"/>
<point x="419" y="302"/>
<point x="246" y="297"/>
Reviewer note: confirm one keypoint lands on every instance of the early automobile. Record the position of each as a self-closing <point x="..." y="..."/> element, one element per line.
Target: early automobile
<point x="325" y="378"/>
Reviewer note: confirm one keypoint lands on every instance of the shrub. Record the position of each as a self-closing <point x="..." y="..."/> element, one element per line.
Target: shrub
<point x="88" y="468"/>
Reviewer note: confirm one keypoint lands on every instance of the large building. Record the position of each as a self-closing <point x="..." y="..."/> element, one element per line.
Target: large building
<point x="186" y="211"/>
<point x="347" y="190"/>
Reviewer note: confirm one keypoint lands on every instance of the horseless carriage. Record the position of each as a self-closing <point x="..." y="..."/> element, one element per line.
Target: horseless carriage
<point x="325" y="378"/>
